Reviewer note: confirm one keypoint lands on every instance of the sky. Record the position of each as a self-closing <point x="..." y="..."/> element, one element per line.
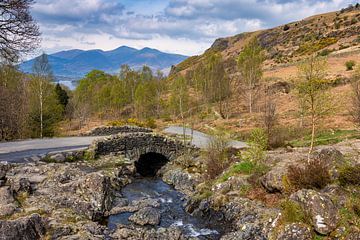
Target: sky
<point x="186" y="27"/>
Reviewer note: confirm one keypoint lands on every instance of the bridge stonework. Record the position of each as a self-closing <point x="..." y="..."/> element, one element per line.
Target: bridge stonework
<point x="133" y="145"/>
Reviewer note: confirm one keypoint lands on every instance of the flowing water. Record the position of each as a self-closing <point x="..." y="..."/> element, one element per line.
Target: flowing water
<point x="171" y="208"/>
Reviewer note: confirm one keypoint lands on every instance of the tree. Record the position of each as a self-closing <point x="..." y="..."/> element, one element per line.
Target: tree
<point x="355" y="110"/>
<point x="145" y="99"/>
<point x="19" y="33"/>
<point x="40" y="86"/>
<point x="62" y="96"/>
<point x="250" y="63"/>
<point x="311" y="88"/>
<point x="269" y="115"/>
<point x="13" y="103"/>
<point x="179" y="100"/>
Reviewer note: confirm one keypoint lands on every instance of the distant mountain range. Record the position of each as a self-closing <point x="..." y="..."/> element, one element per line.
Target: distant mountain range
<point x="74" y="64"/>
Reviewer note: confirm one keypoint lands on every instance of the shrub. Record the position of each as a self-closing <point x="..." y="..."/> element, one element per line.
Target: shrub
<point x="258" y="143"/>
<point x="150" y="123"/>
<point x="324" y="52"/>
<point x="216" y="155"/>
<point x="286" y="27"/>
<point x="314" y="175"/>
<point x="350" y="65"/>
<point x="350" y="175"/>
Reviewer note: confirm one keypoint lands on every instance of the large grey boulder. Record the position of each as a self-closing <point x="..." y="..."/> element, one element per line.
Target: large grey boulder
<point x="27" y="228"/>
<point x="321" y="210"/>
<point x="146" y="216"/>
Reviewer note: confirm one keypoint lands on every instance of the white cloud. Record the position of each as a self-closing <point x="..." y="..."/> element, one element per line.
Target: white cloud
<point x="182" y="26"/>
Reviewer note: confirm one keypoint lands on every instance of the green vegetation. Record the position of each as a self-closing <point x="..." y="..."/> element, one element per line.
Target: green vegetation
<point x="350" y="65"/>
<point x="313" y="46"/>
<point x="311" y="87"/>
<point x="326" y="137"/>
<point x="350" y="175"/>
<point x="292" y="212"/>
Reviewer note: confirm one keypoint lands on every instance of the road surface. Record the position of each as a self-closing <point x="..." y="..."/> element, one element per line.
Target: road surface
<point x="200" y="139"/>
<point x="34" y="149"/>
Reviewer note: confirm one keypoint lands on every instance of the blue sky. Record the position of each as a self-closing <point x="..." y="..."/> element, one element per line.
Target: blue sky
<point x="181" y="26"/>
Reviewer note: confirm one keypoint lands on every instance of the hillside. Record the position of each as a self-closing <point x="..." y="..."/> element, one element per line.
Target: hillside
<point x="76" y="63"/>
<point x="326" y="34"/>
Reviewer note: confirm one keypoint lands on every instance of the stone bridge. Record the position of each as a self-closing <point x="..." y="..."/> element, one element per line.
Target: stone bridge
<point x="149" y="151"/>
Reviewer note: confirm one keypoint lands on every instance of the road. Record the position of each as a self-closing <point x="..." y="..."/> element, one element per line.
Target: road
<point x="34" y="149"/>
<point x="200" y="140"/>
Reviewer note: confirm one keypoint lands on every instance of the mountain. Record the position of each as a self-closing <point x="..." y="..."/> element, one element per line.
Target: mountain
<point x="74" y="64"/>
<point x="325" y="34"/>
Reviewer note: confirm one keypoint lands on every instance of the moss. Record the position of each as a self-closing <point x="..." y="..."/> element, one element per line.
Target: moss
<point x="349" y="175"/>
<point x="89" y="155"/>
<point x="292" y="212"/>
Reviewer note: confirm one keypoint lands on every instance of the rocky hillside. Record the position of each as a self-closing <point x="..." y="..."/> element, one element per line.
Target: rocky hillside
<point x="324" y="34"/>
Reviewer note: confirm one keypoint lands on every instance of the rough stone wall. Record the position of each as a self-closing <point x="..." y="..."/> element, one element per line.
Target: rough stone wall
<point x="133" y="145"/>
<point x="110" y="130"/>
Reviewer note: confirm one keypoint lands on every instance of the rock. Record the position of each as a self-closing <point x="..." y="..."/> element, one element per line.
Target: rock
<point x="59" y="158"/>
<point x="7" y="202"/>
<point x="274" y="180"/>
<point x="295" y="231"/>
<point x="146" y="216"/>
<point x="27" y="228"/>
<point x="137" y="233"/>
<point x="181" y="180"/>
<point x="4" y="168"/>
<point x="331" y="155"/>
<point x="111" y="130"/>
<point x="20" y="185"/>
<point x="321" y="210"/>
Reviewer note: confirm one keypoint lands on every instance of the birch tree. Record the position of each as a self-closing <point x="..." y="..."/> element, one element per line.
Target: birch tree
<point x="250" y="62"/>
<point x="311" y="90"/>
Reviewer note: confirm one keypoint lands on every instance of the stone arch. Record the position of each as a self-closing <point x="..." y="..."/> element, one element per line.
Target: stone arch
<point x="134" y="145"/>
<point x="150" y="163"/>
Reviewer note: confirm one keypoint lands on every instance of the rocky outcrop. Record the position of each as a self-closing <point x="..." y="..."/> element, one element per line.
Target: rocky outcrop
<point x="111" y="130"/>
<point x="295" y="231"/>
<point x="146" y="216"/>
<point x="27" y="228"/>
<point x="181" y="180"/>
<point x="137" y="233"/>
<point x="319" y="207"/>
<point x="7" y="202"/>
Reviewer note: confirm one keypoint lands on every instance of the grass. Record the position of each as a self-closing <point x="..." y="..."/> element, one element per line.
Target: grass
<point x="326" y="138"/>
<point x="244" y="167"/>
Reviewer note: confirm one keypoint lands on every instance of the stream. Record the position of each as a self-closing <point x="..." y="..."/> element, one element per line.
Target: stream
<point x="171" y="208"/>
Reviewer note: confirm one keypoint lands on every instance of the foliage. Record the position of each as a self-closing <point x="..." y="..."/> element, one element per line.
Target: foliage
<point x="62" y="95"/>
<point x="350" y="175"/>
<point x="313" y="46"/>
<point x="292" y="212"/>
<point x="311" y="91"/>
<point x="250" y="62"/>
<point x="350" y="65"/>
<point x="257" y="147"/>
<point x="13" y="103"/>
<point x="216" y="155"/>
<point x="313" y="175"/>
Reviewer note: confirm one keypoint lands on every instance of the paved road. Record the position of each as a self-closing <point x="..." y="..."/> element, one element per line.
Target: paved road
<point x="200" y="139"/>
<point x="30" y="150"/>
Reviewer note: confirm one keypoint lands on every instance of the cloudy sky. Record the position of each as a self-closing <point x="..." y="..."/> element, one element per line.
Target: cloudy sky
<point x="181" y="26"/>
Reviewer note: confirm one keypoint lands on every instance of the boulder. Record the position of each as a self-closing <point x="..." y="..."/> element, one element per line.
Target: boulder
<point x="274" y="180"/>
<point x="27" y="228"/>
<point x="137" y="233"/>
<point x="7" y="202"/>
<point x="321" y="210"/>
<point x="295" y="231"/>
<point x="146" y="216"/>
<point x="181" y="180"/>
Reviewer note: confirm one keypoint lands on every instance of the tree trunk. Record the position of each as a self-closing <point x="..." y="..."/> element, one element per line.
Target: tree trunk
<point x="41" y="109"/>
<point x="312" y="136"/>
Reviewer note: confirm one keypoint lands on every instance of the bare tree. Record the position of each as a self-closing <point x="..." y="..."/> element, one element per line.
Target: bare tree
<point x="250" y="63"/>
<point x="269" y="113"/>
<point x="42" y="73"/>
<point x="19" y="33"/>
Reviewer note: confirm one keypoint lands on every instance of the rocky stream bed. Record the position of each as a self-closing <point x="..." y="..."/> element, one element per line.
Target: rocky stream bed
<point x="113" y="197"/>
